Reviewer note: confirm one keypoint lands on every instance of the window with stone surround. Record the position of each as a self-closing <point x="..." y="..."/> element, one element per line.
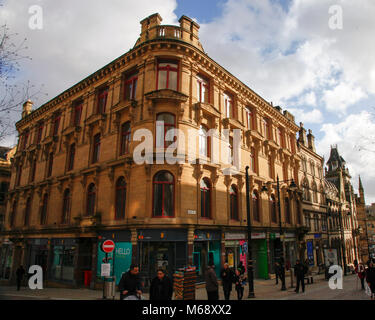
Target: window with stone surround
<point x="233" y="197"/>
<point x="90" y="201"/>
<point x="27" y="212"/>
<point x="273" y="209"/>
<point x="203" y="89"/>
<point x="120" y="198"/>
<point x="130" y="85"/>
<point x="250" y="120"/>
<point x="229" y="106"/>
<point x="255" y="203"/>
<point x="39" y="132"/>
<point x="65" y="217"/>
<point x="50" y="164"/>
<point x="96" y="148"/>
<point x="102" y="100"/>
<point x="205" y="187"/>
<point x="56" y="124"/>
<point x="163" y="195"/>
<point x="44" y="210"/>
<point x="204" y="142"/>
<point x="164" y="123"/>
<point x="77" y="113"/>
<point x="71" y="156"/>
<point x="167" y="75"/>
<point x="125" y="138"/>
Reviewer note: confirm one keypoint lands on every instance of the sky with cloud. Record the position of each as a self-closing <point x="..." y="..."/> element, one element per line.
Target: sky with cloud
<point x="284" y="50"/>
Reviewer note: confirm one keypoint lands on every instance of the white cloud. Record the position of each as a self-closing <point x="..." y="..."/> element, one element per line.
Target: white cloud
<point x="301" y="115"/>
<point x="355" y="137"/>
<point x="342" y="96"/>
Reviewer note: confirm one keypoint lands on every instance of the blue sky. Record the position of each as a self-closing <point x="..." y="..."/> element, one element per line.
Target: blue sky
<point x="285" y="50"/>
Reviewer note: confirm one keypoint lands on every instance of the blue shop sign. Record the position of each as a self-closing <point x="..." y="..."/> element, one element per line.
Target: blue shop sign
<point x="317" y="235"/>
<point x="310" y="253"/>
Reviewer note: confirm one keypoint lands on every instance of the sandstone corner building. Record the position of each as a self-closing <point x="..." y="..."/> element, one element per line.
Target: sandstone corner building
<point x="74" y="182"/>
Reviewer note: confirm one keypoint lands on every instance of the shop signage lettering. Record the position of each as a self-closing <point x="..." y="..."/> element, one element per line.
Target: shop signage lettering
<point x="234" y="236"/>
<point x="123" y="251"/>
<point x="192" y="212"/>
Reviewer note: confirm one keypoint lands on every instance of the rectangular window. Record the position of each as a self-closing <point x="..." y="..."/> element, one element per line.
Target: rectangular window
<point x="19" y="174"/>
<point x="228" y="105"/>
<point x="167" y="77"/>
<point x="56" y="123"/>
<point x="266" y="129"/>
<point x="96" y="148"/>
<point x="130" y="86"/>
<point x="249" y="118"/>
<point x="25" y="139"/>
<point x="102" y="100"/>
<point x="50" y="164"/>
<point x="125" y="138"/>
<point x="203" y="89"/>
<point x="39" y="133"/>
<point x="280" y="137"/>
<point x="33" y="169"/>
<point x="72" y="152"/>
<point x="77" y="114"/>
<point x="292" y="144"/>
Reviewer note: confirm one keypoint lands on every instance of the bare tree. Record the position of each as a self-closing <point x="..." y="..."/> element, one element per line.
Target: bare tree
<point x="12" y="93"/>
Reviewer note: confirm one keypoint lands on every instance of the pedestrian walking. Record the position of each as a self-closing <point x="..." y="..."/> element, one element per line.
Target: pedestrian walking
<point x="161" y="288"/>
<point x="299" y="272"/>
<point x="241" y="267"/>
<point x="212" y="285"/>
<point x="239" y="280"/>
<point x="277" y="272"/>
<point x="20" y="273"/>
<point x="361" y="273"/>
<point x="370" y="278"/>
<point x="227" y="279"/>
<point x="130" y="283"/>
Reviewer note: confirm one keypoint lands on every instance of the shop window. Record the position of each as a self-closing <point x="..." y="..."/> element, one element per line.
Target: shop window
<point x="120" y="198"/>
<point x="167" y="77"/>
<point x="163" y="195"/>
<point x="125" y="138"/>
<point x="205" y="187"/>
<point x="233" y="196"/>
<point x="204" y="142"/>
<point x="164" y="123"/>
<point x="96" y="148"/>
<point x="273" y="209"/>
<point x="131" y="81"/>
<point x="102" y="100"/>
<point x="44" y="210"/>
<point x="255" y="201"/>
<point x="66" y="207"/>
<point x="203" y="89"/>
<point x="72" y="152"/>
<point x="27" y="212"/>
<point x="91" y="197"/>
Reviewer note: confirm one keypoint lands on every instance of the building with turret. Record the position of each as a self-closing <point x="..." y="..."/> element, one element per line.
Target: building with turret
<point x="338" y="174"/>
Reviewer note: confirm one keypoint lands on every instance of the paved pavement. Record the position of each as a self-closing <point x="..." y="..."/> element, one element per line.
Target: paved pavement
<point x="264" y="290"/>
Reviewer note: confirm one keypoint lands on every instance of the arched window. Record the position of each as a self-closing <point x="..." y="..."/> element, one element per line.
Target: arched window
<point x="315" y="193"/>
<point x="125" y="138"/>
<point x="204" y="142"/>
<point x="66" y="207"/>
<point x="27" y="212"/>
<point x="163" y="195"/>
<point x="120" y="198"/>
<point x="255" y="200"/>
<point x="91" y="196"/>
<point x="273" y="209"/>
<point x="287" y="210"/>
<point x="164" y="123"/>
<point x="205" y="198"/>
<point x="43" y="210"/>
<point x="233" y="194"/>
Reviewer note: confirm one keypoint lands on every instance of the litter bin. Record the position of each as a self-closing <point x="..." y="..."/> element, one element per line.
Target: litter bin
<point x="109" y="291"/>
<point x="87" y="277"/>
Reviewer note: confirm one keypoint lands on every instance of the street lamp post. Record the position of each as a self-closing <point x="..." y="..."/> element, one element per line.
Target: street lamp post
<point x="281" y="254"/>
<point x="343" y="241"/>
<point x="249" y="253"/>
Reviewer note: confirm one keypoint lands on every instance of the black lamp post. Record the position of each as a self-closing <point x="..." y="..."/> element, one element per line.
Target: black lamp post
<point x="249" y="253"/>
<point x="281" y="254"/>
<point x="343" y="240"/>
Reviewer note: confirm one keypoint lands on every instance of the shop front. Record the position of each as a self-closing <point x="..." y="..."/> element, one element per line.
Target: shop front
<point x="161" y="249"/>
<point x="290" y="247"/>
<point x="259" y="255"/>
<point x="207" y="249"/>
<point x="235" y="245"/>
<point x="120" y="259"/>
<point x="37" y="253"/>
<point x="6" y="258"/>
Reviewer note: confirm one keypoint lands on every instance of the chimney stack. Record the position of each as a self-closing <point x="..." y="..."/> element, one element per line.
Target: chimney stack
<point x="27" y="108"/>
<point x="302" y="135"/>
<point x="311" y="140"/>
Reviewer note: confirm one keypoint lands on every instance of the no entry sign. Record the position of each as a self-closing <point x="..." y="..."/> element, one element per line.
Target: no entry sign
<point x="108" y="246"/>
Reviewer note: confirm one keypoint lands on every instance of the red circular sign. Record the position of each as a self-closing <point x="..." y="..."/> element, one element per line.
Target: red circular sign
<point x="108" y="246"/>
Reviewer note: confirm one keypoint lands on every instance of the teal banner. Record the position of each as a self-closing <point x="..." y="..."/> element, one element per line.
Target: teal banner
<point x="120" y="262"/>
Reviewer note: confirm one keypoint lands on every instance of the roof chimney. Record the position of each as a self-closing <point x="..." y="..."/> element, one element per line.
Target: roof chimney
<point x="27" y="108"/>
<point x="311" y="140"/>
<point x="302" y="135"/>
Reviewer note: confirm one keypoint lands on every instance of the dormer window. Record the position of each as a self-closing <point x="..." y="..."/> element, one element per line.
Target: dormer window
<point x="167" y="76"/>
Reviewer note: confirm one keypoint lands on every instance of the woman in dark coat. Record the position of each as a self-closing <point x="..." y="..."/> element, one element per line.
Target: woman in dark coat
<point x="161" y="288"/>
<point x="370" y="278"/>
